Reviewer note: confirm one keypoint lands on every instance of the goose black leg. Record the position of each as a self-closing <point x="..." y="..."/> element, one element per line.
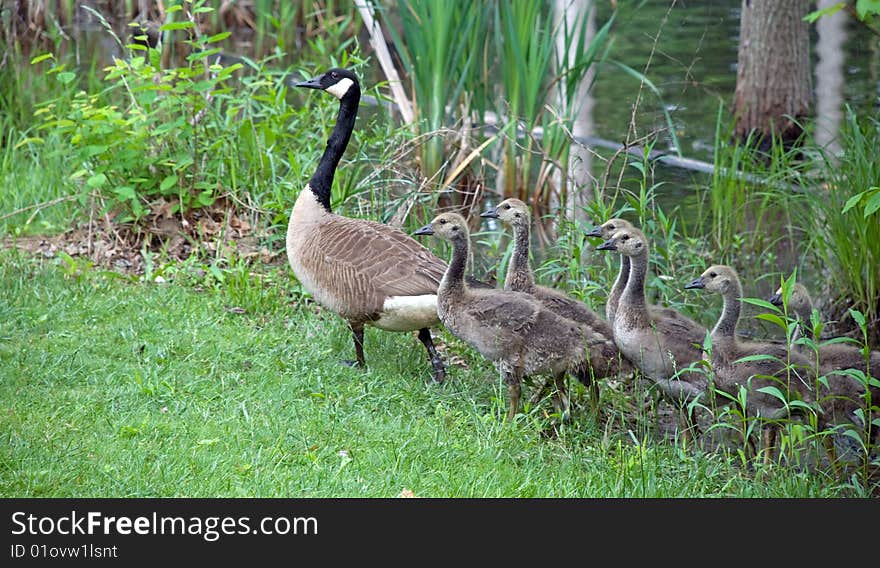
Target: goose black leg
<point x="357" y="333"/>
<point x="436" y="361"/>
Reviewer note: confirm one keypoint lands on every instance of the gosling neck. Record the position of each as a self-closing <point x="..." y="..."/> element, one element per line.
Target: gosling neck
<point x="322" y="181"/>
<point x="634" y="292"/>
<point x="726" y="326"/>
<point x="619" y="285"/>
<point x="452" y="282"/>
<point x="519" y="273"/>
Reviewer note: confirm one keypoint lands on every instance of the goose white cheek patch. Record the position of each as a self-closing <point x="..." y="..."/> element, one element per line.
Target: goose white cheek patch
<point x="339" y="89"/>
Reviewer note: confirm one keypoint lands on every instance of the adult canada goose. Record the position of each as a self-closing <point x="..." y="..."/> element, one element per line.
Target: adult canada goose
<point x="512" y="329"/>
<point x="784" y="369"/>
<point x="844" y="395"/>
<point x="660" y="346"/>
<point x="367" y="272"/>
<point x="520" y="278"/>
<point x="605" y="231"/>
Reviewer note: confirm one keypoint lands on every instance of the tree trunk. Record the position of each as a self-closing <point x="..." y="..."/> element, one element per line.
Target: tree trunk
<point x="773" y="89"/>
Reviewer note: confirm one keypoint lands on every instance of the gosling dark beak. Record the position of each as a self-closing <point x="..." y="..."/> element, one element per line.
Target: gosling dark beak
<point x="313" y="83"/>
<point x="594" y="232"/>
<point x="775" y="299"/>
<point x="426" y="230"/>
<point x="607" y="245"/>
<point x="698" y="283"/>
<point x="490" y="213"/>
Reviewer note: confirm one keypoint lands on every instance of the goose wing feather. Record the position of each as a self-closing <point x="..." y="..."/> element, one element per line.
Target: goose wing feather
<point x="372" y="261"/>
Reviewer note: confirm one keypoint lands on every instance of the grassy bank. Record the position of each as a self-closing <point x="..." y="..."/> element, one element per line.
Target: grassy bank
<point x="115" y="388"/>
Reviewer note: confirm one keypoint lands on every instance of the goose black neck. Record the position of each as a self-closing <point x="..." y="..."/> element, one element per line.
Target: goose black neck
<point x="519" y="273"/>
<point x="322" y="181"/>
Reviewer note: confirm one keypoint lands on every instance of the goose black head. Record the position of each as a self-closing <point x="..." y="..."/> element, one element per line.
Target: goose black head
<point x="338" y="82"/>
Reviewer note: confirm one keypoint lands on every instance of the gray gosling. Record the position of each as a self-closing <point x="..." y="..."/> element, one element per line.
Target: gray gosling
<point x="605" y="231"/>
<point x="511" y="329"/>
<point x="793" y="378"/>
<point x="660" y="346"/>
<point x="844" y="395"/>
<point x="520" y="278"/>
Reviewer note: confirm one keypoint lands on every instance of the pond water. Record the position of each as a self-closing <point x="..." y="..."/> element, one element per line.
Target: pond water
<point x="693" y="65"/>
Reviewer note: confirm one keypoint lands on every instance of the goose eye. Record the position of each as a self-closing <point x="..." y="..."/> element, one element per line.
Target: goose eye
<point x="334" y="74"/>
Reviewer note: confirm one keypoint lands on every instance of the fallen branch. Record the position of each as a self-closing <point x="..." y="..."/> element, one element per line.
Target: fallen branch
<point x="377" y="40"/>
<point x="38" y="206"/>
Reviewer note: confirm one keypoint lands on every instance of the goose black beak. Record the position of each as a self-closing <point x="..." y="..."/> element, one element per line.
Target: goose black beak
<point x="607" y="245"/>
<point x="313" y="83"/>
<point x="775" y="299"/>
<point x="594" y="232"/>
<point x="426" y="230"/>
<point x="490" y="213"/>
<point x="698" y="283"/>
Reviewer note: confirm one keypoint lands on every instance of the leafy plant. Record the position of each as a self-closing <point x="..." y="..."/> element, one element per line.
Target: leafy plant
<point x="848" y="226"/>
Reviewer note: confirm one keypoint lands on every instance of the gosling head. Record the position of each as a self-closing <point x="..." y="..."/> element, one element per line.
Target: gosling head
<point x="799" y="302"/>
<point x="628" y="242"/>
<point x="338" y="82"/>
<point x="510" y="211"/>
<point x="446" y="226"/>
<point x="609" y="227"/>
<point x="717" y="278"/>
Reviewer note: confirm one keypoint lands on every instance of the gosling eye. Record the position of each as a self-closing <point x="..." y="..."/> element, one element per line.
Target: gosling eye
<point x="624" y="238"/>
<point x="507" y="206"/>
<point x="611" y="227"/>
<point x="454" y="228"/>
<point x="442" y="221"/>
<point x="517" y="215"/>
<point x="712" y="275"/>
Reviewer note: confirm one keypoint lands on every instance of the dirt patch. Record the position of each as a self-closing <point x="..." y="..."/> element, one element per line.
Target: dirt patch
<point x="171" y="236"/>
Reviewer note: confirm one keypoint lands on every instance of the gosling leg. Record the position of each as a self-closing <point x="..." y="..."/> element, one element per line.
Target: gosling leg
<point x="769" y="433"/>
<point x="436" y="361"/>
<point x="585" y="376"/>
<point x="561" y="401"/>
<point x="514" y="390"/>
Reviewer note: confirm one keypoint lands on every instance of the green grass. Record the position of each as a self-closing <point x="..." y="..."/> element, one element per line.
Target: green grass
<point x="110" y="387"/>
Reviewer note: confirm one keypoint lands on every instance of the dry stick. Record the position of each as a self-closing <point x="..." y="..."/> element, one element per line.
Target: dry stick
<point x="38" y="207"/>
<point x="377" y="40"/>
